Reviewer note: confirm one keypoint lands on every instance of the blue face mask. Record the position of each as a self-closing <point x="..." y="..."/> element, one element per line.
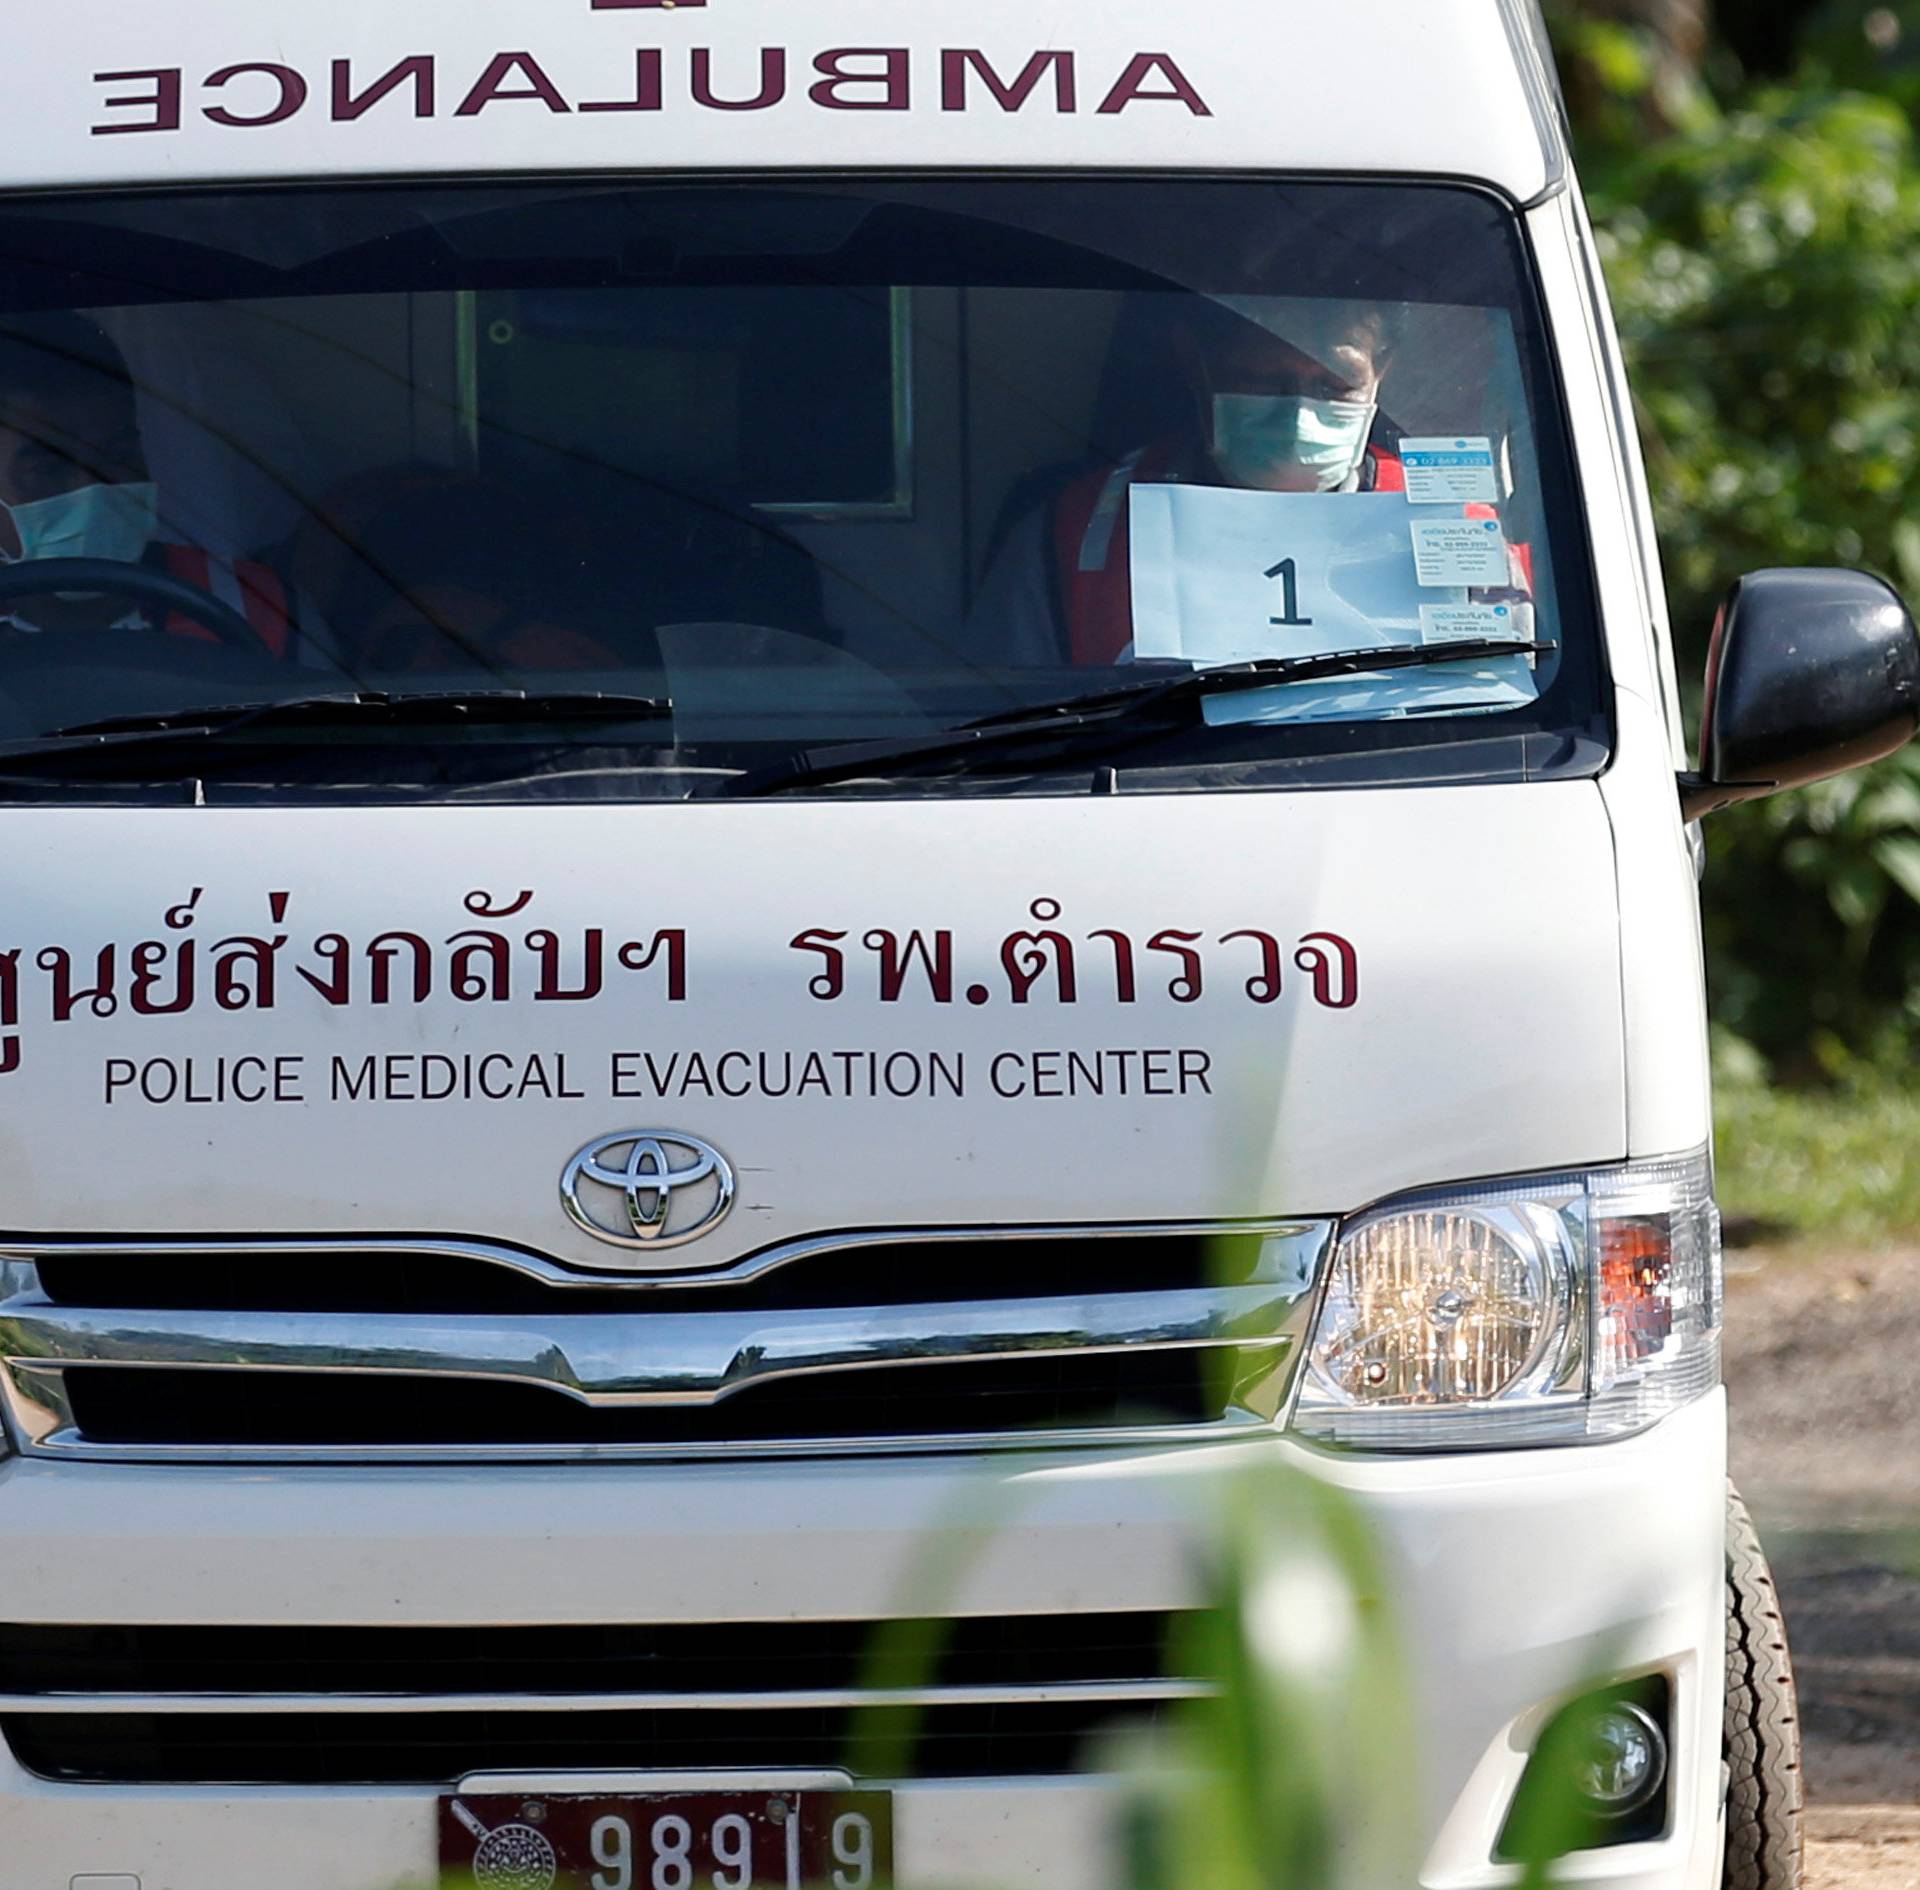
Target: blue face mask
<point x="112" y="522"/>
<point x="1285" y="442"/>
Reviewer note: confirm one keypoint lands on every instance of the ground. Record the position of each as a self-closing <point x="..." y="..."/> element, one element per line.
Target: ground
<point x="1826" y="1445"/>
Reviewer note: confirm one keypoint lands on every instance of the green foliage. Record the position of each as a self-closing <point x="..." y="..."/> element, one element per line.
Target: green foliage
<point x="1868" y="46"/>
<point x="1297" y="1771"/>
<point x="1300" y="1773"/>
<point x="1621" y="78"/>
<point x="1765" y="266"/>
<point x="1812" y="927"/>
<point x="1766" y="271"/>
<point x="1833" y="1167"/>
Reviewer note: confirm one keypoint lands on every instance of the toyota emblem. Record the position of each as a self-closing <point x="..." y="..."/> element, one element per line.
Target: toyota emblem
<point x="647" y="1189"/>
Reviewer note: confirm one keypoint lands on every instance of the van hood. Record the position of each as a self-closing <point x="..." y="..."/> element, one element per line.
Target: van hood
<point x="384" y="1022"/>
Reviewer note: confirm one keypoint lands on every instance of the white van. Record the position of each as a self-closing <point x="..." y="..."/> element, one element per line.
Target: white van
<point x="794" y="793"/>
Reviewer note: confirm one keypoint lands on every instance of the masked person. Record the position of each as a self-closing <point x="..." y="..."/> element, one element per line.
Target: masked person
<point x="74" y="483"/>
<point x="1292" y="412"/>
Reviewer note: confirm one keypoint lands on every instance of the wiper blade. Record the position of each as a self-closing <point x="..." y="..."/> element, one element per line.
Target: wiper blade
<point x="1107" y="720"/>
<point x="504" y="707"/>
<point x="481" y="705"/>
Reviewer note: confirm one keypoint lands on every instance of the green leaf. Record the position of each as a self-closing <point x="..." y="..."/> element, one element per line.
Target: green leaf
<point x="1899" y="858"/>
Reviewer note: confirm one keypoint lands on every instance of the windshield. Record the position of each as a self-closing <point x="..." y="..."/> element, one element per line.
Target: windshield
<point x="783" y="466"/>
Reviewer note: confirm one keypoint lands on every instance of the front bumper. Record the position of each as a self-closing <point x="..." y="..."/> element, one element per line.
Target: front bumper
<point x="1515" y="1576"/>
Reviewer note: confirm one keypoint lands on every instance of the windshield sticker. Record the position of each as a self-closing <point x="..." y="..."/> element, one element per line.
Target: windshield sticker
<point x="1452" y="552"/>
<point x="1224" y="575"/>
<point x="1042" y="961"/>
<point x="1450" y="471"/>
<point x="1475" y="623"/>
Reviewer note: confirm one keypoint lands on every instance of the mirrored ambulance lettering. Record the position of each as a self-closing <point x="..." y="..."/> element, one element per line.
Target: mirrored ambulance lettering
<point x="253" y="95"/>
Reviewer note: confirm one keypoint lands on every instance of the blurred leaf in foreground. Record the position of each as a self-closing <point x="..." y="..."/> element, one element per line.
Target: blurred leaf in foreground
<point x="1299" y="1772"/>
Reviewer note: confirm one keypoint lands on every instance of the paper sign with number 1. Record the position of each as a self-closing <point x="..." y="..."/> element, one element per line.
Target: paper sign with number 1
<point x="1226" y="576"/>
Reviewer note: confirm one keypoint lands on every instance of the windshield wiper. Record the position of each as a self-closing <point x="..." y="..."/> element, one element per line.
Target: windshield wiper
<point x="1106" y="720"/>
<point x="448" y="708"/>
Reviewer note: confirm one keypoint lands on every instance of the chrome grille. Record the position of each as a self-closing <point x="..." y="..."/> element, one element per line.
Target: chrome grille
<point x="332" y="1705"/>
<point x="425" y="1350"/>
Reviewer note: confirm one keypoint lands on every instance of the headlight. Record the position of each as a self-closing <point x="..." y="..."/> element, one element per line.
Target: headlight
<point x="1545" y="1310"/>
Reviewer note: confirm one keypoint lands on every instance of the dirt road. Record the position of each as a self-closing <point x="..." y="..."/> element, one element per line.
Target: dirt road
<point x="1823" y="1364"/>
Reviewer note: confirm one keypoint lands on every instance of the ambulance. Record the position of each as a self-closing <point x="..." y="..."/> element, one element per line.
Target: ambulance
<point x="802" y="802"/>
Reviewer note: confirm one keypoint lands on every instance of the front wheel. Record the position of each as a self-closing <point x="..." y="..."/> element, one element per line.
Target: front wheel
<point x="1762" y="1738"/>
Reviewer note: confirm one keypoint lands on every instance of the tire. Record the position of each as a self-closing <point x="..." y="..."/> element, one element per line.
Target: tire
<point x="1762" y="1740"/>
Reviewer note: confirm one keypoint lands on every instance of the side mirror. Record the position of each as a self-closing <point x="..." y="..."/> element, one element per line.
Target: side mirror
<point x="1810" y="673"/>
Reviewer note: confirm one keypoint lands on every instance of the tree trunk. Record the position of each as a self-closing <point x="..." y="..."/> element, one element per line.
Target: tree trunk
<point x="1675" y="34"/>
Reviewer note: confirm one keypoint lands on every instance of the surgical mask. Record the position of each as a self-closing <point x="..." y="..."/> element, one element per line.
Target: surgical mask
<point x="112" y="522"/>
<point x="1258" y="439"/>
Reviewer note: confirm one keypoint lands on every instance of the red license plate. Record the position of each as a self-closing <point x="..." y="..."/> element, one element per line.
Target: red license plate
<point x="762" y="1840"/>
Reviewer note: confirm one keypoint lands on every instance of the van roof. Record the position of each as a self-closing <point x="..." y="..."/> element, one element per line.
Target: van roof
<point x="119" y="92"/>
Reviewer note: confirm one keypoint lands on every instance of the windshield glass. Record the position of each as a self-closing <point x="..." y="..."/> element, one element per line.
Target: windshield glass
<point x="789" y="466"/>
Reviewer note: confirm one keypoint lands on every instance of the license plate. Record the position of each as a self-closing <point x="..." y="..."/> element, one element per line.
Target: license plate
<point x="763" y="1840"/>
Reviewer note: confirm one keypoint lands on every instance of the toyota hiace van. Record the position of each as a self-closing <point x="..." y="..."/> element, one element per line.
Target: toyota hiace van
<point x="792" y="791"/>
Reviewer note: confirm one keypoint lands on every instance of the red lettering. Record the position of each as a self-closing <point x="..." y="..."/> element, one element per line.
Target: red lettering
<point x="292" y="89"/>
<point x="349" y="104"/>
<point x="773" y="82"/>
<point x="835" y="79"/>
<point x="955" y="65"/>
<point x="646" y="85"/>
<point x="491" y="86"/>
<point x="1131" y="86"/>
<point x="163" y="102"/>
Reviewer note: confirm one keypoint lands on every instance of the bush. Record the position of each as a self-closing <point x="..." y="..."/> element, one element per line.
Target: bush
<point x="1765" y="265"/>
